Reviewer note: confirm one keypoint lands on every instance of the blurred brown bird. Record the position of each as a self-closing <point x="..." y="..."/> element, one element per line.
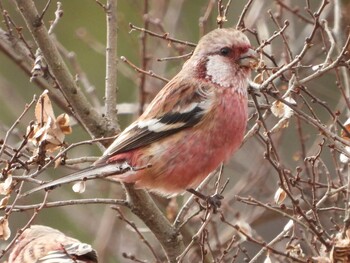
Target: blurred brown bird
<point x="47" y="245"/>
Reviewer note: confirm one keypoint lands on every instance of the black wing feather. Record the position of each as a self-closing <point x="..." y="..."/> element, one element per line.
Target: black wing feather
<point x="190" y="118"/>
<point x="146" y="136"/>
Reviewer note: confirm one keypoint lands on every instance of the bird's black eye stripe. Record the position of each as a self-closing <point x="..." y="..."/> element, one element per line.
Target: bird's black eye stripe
<point x="225" y="51"/>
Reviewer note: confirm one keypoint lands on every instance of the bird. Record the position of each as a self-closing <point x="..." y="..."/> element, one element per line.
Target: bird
<point x="196" y="122"/>
<point x="44" y="244"/>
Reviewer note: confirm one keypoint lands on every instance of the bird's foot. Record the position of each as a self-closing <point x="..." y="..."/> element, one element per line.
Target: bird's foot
<point x="213" y="201"/>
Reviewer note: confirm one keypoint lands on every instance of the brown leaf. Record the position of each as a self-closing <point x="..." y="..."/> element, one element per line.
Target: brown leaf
<point x="280" y="195"/>
<point x="172" y="209"/>
<point x="5" y="231"/>
<point x="58" y="162"/>
<point x="259" y="78"/>
<point x="4" y="201"/>
<point x="344" y="134"/>
<point x="278" y="109"/>
<point x="63" y="123"/>
<point x="5" y="187"/>
<point x="48" y="131"/>
<point x="295" y="250"/>
<point x="43" y="109"/>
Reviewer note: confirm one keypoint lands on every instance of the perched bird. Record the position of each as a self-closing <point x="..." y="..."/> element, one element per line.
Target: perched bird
<point x="194" y="123"/>
<point x="47" y="245"/>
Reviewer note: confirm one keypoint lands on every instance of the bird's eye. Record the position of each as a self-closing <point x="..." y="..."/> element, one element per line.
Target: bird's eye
<point x="225" y="51"/>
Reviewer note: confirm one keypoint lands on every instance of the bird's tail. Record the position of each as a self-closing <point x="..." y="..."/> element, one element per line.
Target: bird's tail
<point x="89" y="173"/>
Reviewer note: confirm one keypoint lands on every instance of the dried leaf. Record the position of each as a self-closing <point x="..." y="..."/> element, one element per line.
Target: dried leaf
<point x="5" y="231"/>
<point x="342" y="157"/>
<point x="58" y="161"/>
<point x="295" y="250"/>
<point x="79" y="187"/>
<point x="53" y="135"/>
<point x="282" y="111"/>
<point x="277" y="109"/>
<point x="63" y="123"/>
<point x="343" y="134"/>
<point x="259" y="78"/>
<point x="37" y="133"/>
<point x="43" y="109"/>
<point x="48" y="131"/>
<point x="5" y="187"/>
<point x="260" y="64"/>
<point x="172" y="209"/>
<point x="8" y="181"/>
<point x="267" y="259"/>
<point x="4" y="201"/>
<point x="341" y="249"/>
<point x="288" y="110"/>
<point x="280" y="196"/>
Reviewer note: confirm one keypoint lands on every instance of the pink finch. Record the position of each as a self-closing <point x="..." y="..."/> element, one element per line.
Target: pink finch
<point x="45" y="244"/>
<point x="195" y="122"/>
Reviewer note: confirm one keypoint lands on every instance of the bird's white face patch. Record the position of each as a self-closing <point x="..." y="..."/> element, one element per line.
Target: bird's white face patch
<point x="220" y="71"/>
<point x="224" y="74"/>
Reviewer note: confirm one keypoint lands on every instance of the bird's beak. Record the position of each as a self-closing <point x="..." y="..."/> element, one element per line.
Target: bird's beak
<point x="248" y="59"/>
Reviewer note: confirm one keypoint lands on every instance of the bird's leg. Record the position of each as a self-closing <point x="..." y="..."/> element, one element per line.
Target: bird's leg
<point x="213" y="201"/>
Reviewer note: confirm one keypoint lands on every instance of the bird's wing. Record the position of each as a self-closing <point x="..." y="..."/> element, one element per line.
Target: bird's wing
<point x="173" y="109"/>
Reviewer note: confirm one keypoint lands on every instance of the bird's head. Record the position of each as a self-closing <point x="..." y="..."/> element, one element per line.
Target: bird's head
<point x="224" y="57"/>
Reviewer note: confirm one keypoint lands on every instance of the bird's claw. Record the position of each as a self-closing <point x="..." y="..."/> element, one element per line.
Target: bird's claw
<point x="214" y="201"/>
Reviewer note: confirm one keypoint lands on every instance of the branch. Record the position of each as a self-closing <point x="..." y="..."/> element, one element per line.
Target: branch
<point x="89" y="117"/>
<point x="111" y="63"/>
<point x="21" y="208"/>
<point x="164" y="36"/>
<point x="150" y="73"/>
<point x="240" y="23"/>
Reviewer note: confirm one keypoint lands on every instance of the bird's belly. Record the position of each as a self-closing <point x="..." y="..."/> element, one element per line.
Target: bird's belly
<point x="182" y="161"/>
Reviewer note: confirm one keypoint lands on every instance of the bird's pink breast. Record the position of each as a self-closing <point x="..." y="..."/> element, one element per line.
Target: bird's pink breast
<point x="183" y="160"/>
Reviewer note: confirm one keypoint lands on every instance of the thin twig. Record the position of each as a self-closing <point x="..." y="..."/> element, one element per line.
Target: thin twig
<point x="164" y="36"/>
<point x="92" y="201"/>
<point x="8" y="133"/>
<point x="144" y="59"/>
<point x="111" y="87"/>
<point x="58" y="16"/>
<point x="150" y="73"/>
<point x="240" y="22"/>
<point x="134" y="227"/>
